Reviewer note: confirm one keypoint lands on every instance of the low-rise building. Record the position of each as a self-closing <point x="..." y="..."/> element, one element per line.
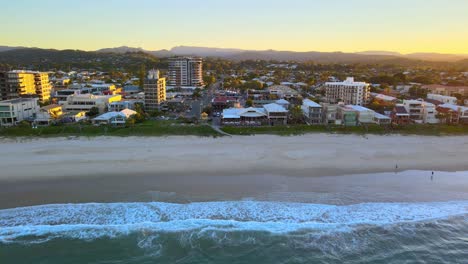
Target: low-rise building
<point x="329" y="114"/>
<point x="400" y="116"/>
<point x="84" y="102"/>
<point x="244" y="116"/>
<point x="16" y="110"/>
<point x="283" y="92"/>
<point x="48" y="114"/>
<point x="415" y="110"/>
<point x="382" y="119"/>
<point x="312" y="112"/>
<point x="446" y="90"/>
<point x="127" y="104"/>
<point x="452" y="114"/>
<point x="364" y="115"/>
<point x="114" y="118"/>
<point x="347" y="115"/>
<point x="443" y="98"/>
<point x="276" y="114"/>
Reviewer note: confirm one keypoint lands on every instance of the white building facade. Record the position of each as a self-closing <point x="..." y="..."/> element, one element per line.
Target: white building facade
<point x="185" y="72"/>
<point x="348" y="92"/>
<point x="14" y="111"/>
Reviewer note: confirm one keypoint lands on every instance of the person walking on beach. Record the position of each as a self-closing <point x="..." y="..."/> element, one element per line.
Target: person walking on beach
<point x="432" y="176"/>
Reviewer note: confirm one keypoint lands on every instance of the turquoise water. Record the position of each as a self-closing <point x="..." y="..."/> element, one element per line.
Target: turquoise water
<point x="236" y="232"/>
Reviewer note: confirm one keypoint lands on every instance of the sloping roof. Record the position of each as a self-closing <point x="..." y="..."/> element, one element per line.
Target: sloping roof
<point x="384" y="97"/>
<point x="454" y="107"/>
<point x="359" y="108"/>
<point x="433" y="101"/>
<point x="252" y="112"/>
<point x="108" y="116"/>
<point x="275" y="108"/>
<point x="310" y="103"/>
<point x="400" y="110"/>
<point x="380" y="116"/>
<point x="231" y="113"/>
<point x="128" y="112"/>
<point x="282" y="101"/>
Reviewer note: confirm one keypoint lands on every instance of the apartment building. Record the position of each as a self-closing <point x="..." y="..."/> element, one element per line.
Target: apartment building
<point x="42" y="85"/>
<point x="155" y="90"/>
<point x="185" y="72"/>
<point x="18" y="83"/>
<point x="312" y="112"/>
<point x="16" y="110"/>
<point x="348" y="92"/>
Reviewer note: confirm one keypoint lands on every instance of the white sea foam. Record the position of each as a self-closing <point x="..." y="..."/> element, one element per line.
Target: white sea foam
<point x="90" y="221"/>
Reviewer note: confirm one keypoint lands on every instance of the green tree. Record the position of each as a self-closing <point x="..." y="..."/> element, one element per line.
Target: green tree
<point x="209" y="79"/>
<point x="208" y="109"/>
<point x="140" y="115"/>
<point x="295" y="115"/>
<point x="94" y="111"/>
<point x="196" y="93"/>
<point x="249" y="102"/>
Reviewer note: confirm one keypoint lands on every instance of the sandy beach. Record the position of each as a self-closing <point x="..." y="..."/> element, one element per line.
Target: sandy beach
<point x="182" y="169"/>
<point x="308" y="155"/>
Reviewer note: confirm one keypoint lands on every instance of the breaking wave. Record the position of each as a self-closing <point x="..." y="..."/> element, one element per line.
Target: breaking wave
<point x="38" y="224"/>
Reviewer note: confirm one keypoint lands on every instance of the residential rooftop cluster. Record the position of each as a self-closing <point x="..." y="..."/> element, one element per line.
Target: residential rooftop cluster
<point x="245" y="94"/>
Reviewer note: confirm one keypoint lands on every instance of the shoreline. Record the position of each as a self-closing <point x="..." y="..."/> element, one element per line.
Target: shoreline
<point x="184" y="169"/>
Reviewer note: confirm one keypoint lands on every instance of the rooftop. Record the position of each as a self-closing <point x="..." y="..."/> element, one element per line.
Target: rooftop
<point x="18" y="100"/>
<point x="310" y="103"/>
<point x="275" y="108"/>
<point x="359" y="108"/>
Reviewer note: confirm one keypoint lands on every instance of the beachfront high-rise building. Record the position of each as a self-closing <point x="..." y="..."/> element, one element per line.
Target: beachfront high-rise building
<point x="185" y="72"/>
<point x="42" y="85"/>
<point x="348" y="92"/>
<point x="17" y="83"/>
<point x="155" y="90"/>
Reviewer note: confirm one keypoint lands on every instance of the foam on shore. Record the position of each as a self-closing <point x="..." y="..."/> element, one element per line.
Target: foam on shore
<point x="95" y="220"/>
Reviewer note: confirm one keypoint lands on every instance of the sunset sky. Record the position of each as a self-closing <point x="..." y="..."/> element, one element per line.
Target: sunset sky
<point x="299" y="25"/>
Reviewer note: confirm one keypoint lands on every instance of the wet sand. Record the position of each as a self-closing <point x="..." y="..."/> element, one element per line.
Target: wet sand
<point x="334" y="169"/>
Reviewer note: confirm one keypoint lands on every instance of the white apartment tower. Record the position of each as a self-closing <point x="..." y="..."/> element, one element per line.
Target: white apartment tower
<point x="185" y="72"/>
<point x="155" y="90"/>
<point x="348" y="92"/>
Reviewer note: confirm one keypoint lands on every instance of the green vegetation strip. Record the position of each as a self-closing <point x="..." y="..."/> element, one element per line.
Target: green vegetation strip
<point x="147" y="128"/>
<point x="424" y="130"/>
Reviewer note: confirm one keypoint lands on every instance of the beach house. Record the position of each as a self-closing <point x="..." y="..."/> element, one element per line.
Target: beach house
<point x="114" y="118"/>
<point x="312" y="112"/>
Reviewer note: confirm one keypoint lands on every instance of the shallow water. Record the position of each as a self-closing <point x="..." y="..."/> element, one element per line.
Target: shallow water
<point x="236" y="232"/>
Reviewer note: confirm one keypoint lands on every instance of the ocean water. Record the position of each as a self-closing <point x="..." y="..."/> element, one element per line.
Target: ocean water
<point x="235" y="232"/>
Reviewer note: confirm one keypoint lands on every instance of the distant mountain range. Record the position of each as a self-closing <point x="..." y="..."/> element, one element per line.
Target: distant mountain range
<point x="239" y="54"/>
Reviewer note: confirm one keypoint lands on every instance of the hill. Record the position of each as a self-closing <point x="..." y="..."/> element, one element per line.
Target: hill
<point x="45" y="59"/>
